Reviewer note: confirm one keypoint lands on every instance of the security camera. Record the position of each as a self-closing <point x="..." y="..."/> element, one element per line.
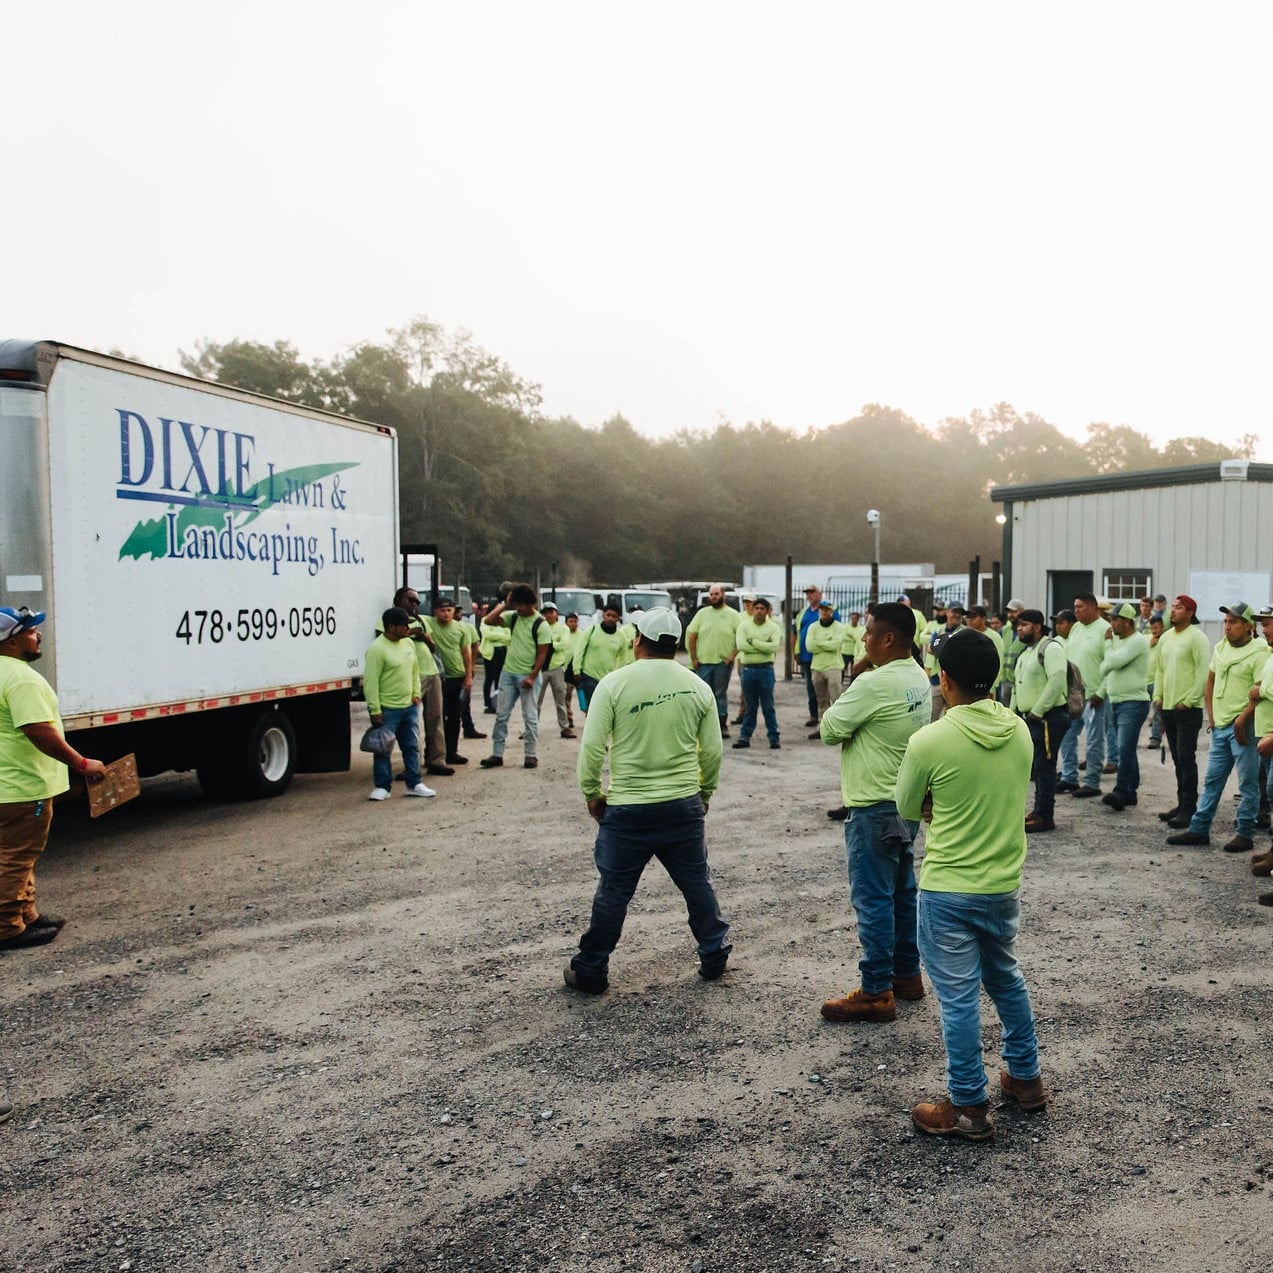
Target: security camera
<point x="872" y="516"/>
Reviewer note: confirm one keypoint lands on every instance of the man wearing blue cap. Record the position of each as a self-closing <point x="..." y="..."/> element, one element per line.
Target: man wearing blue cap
<point x="33" y="762"/>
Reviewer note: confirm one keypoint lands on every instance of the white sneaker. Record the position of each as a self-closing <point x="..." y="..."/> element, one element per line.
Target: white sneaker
<point x="419" y="790"/>
<point x="379" y="794"/>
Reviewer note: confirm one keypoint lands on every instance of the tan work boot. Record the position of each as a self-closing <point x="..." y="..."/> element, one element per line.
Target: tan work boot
<point x="908" y="987"/>
<point x="1028" y="1093"/>
<point x="860" y="1006"/>
<point x="941" y="1118"/>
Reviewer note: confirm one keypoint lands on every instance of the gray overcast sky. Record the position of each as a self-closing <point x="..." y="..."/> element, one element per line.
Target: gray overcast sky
<point x="685" y="212"/>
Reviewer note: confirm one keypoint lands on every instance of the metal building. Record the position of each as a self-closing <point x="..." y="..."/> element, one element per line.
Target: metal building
<point x="1202" y="529"/>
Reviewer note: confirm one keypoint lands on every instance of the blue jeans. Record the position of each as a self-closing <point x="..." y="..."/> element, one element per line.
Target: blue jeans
<point x="880" y="850"/>
<point x="1112" y="740"/>
<point x="810" y="692"/>
<point x="405" y="723"/>
<point x="1128" y="718"/>
<point x="510" y="691"/>
<point x="969" y="940"/>
<point x="1094" y="727"/>
<point x="628" y="837"/>
<point x="716" y="675"/>
<point x="1224" y="756"/>
<point x="758" y="695"/>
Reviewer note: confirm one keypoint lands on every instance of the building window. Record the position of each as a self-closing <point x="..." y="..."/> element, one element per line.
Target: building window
<point x="1128" y="585"/>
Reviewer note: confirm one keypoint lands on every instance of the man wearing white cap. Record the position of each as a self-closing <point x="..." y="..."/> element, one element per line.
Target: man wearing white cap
<point x="34" y="757"/>
<point x="658" y="722"/>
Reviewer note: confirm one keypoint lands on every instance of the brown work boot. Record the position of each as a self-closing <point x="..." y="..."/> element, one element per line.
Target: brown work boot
<point x="908" y="987"/>
<point x="1028" y="1093"/>
<point x="1262" y="864"/>
<point x="941" y="1118"/>
<point x="1239" y="844"/>
<point x="860" y="1006"/>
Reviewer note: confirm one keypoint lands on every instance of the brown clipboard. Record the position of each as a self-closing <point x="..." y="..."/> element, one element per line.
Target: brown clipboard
<point x="119" y="784"/>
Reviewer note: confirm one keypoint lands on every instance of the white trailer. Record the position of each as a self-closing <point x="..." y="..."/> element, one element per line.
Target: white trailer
<point x="212" y="562"/>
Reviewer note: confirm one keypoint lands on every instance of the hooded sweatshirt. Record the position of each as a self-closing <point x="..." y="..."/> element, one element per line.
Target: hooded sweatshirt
<point x="975" y="762"/>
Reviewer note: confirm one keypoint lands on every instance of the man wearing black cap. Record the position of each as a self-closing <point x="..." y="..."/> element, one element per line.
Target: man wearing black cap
<point x="34" y="757"/>
<point x="1039" y="696"/>
<point x="967" y="775"/>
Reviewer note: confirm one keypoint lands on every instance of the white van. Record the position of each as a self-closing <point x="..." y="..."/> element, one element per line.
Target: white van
<point x="580" y="601"/>
<point x="630" y="600"/>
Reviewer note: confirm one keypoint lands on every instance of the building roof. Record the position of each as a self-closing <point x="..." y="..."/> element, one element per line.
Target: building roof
<point x="1184" y="475"/>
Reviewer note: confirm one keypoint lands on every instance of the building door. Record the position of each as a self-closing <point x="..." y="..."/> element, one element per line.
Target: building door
<point x="1064" y="586"/>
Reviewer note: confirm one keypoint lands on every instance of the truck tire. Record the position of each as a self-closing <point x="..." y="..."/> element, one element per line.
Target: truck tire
<point x="265" y="756"/>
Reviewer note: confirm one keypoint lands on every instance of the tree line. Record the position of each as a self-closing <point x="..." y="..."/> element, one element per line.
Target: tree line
<point x="505" y="491"/>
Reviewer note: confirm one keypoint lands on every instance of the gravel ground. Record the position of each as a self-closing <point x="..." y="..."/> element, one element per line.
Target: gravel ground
<point x="318" y="1033"/>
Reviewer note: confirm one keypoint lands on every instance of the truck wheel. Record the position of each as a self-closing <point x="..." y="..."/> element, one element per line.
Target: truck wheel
<point x="268" y="756"/>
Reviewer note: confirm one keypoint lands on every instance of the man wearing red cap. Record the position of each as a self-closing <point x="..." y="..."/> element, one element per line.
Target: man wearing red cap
<point x="1183" y="653"/>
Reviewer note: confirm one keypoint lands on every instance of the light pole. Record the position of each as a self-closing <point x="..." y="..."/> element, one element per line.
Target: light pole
<point x="873" y="520"/>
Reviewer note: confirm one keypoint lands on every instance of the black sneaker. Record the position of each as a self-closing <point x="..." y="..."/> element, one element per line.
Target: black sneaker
<point x="583" y="983"/>
<point x="46" y="921"/>
<point x="712" y="969"/>
<point x="29" y="936"/>
<point x="741" y="744"/>
<point x="773" y="746"/>
<point x="531" y="762"/>
<point x="1069" y="787"/>
<point x="1171" y="813"/>
<point x="6" y="1111"/>
<point x="1085" y="793"/>
<point x="492" y="762"/>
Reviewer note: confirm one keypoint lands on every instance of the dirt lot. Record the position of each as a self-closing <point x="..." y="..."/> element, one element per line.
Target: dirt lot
<point x="319" y="1033"/>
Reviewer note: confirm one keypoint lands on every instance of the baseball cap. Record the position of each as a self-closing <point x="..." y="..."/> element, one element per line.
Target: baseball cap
<point x="971" y="660"/>
<point x="826" y="604"/>
<point x="1188" y="602"/>
<point x="1032" y="616"/>
<point x="1126" y="611"/>
<point x="658" y="622"/>
<point x="14" y="621"/>
<point x="1068" y="616"/>
<point x="1265" y="612"/>
<point x="1239" y="610"/>
<point x="1016" y="604"/>
<point x="549" y="605"/>
<point x="810" y="587"/>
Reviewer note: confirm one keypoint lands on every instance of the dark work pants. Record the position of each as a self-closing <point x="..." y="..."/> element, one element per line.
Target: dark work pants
<point x="452" y="713"/>
<point x="490" y="680"/>
<point x="1181" y="729"/>
<point x="627" y="838"/>
<point x="1047" y="734"/>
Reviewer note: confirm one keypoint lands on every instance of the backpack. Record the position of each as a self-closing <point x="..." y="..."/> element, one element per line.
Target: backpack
<point x="1075" y="694"/>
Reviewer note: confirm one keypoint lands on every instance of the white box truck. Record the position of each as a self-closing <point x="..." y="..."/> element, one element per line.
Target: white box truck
<point x="212" y="562"/>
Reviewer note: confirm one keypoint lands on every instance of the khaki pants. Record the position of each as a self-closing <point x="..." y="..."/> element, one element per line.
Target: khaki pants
<point x="431" y="738"/>
<point x="555" y="679"/>
<point x="24" y="831"/>
<point x="822" y="690"/>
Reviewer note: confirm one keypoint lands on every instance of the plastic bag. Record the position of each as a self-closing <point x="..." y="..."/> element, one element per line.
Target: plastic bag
<point x="378" y="740"/>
